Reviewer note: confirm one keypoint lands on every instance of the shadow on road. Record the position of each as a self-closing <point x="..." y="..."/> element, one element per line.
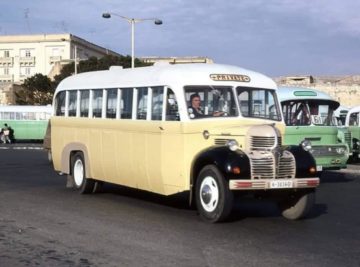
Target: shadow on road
<point x="335" y="177"/>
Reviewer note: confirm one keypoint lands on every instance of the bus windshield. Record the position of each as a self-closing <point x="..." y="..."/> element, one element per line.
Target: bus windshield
<point x="210" y="101"/>
<point x="258" y="103"/>
<point x="307" y="112"/>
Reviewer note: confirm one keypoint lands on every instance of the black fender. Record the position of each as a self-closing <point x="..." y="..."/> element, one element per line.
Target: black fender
<point x="225" y="160"/>
<point x="304" y="162"/>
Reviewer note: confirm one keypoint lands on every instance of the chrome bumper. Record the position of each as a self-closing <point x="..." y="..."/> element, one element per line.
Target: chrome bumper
<point x="268" y="184"/>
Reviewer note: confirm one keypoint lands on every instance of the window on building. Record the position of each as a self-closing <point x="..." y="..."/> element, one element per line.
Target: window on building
<point x="6" y="53"/>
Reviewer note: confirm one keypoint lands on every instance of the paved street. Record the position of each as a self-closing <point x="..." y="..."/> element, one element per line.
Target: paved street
<point x="42" y="223"/>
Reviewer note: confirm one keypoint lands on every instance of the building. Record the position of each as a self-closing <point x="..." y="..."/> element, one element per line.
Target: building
<point x="344" y="89"/>
<point x="177" y="60"/>
<point x="22" y="56"/>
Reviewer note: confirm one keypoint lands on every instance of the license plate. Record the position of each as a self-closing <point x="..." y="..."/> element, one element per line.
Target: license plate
<point x="319" y="168"/>
<point x="281" y="184"/>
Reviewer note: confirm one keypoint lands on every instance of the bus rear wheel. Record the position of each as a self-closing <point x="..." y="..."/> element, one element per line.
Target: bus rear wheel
<point x="214" y="200"/>
<point x="297" y="205"/>
<point x="83" y="184"/>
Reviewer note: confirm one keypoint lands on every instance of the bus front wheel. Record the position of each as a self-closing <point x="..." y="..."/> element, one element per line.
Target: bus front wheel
<point x="214" y="200"/>
<point x="297" y="205"/>
<point x="83" y="184"/>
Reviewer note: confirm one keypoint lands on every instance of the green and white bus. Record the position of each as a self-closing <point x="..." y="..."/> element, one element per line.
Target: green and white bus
<point x="353" y="122"/>
<point x="27" y="122"/>
<point x="309" y="119"/>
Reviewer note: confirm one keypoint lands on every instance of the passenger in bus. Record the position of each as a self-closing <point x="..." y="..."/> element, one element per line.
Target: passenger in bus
<point x="195" y="110"/>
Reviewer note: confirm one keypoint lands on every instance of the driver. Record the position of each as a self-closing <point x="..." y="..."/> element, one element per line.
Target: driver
<point x="195" y="108"/>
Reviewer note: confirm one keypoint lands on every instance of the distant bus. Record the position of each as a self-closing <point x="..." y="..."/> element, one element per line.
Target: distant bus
<point x="309" y="116"/>
<point x="353" y="122"/>
<point x="205" y="129"/>
<point x="340" y="115"/>
<point x="27" y="122"/>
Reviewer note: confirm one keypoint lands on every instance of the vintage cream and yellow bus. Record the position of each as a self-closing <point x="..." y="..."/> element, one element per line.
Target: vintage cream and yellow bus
<point x="141" y="128"/>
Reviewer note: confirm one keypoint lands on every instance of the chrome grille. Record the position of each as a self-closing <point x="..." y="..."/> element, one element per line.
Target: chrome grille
<point x="261" y="142"/>
<point x="262" y="168"/>
<point x="220" y="142"/>
<point x="286" y="167"/>
<point x="348" y="139"/>
<point x="324" y="151"/>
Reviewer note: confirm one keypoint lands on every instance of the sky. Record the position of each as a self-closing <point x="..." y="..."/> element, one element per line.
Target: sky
<point x="274" y="37"/>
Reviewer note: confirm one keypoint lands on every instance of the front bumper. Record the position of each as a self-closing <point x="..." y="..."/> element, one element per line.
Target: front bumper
<point x="272" y="184"/>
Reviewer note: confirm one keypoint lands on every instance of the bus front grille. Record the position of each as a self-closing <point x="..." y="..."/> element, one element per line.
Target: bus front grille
<point x="220" y="142"/>
<point x="267" y="167"/>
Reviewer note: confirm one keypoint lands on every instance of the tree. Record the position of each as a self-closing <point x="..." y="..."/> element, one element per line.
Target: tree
<point x="93" y="64"/>
<point x="37" y="90"/>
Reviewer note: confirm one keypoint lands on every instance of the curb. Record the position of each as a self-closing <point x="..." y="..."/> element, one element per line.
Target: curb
<point x="21" y="147"/>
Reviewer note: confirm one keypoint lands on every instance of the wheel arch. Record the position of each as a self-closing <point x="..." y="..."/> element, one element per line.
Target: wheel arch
<point x="68" y="151"/>
<point x="222" y="158"/>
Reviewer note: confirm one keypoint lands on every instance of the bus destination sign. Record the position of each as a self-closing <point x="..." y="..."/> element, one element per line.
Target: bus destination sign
<point x="230" y="77"/>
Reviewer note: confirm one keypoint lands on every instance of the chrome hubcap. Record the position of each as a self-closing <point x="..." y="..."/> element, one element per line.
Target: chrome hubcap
<point x="78" y="172"/>
<point x="209" y="194"/>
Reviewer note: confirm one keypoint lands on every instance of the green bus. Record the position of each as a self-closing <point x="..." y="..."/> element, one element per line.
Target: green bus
<point x="26" y="122"/>
<point x="353" y="122"/>
<point x="310" y="121"/>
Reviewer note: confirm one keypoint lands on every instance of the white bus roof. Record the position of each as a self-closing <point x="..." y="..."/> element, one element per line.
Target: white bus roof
<point x="354" y="109"/>
<point x="26" y="108"/>
<point x="351" y="111"/>
<point x="170" y="75"/>
<point x="286" y="93"/>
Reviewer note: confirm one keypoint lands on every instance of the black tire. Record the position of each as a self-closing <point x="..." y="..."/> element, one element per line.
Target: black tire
<point x="49" y="156"/>
<point x="214" y="199"/>
<point x="83" y="184"/>
<point x="297" y="205"/>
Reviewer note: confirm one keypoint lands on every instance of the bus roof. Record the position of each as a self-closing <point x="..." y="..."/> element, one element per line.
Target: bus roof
<point x="26" y="108"/>
<point x="354" y="110"/>
<point x="170" y="75"/>
<point x="286" y="93"/>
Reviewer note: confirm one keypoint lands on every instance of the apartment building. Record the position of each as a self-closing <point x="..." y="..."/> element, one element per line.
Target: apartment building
<point x="22" y="56"/>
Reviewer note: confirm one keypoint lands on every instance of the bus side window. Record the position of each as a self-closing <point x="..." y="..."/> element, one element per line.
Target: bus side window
<point x="157" y="103"/>
<point x="354" y="119"/>
<point x="84" y="103"/>
<point x="126" y="103"/>
<point x="142" y="103"/>
<point x="60" y="104"/>
<point x="111" y="103"/>
<point x="97" y="103"/>
<point x="172" y="111"/>
<point x="72" y="103"/>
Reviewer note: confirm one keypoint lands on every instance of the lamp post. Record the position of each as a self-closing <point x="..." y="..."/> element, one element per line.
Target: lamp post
<point x="132" y="22"/>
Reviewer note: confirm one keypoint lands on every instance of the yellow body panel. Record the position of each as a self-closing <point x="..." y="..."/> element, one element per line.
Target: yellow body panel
<point x="156" y="156"/>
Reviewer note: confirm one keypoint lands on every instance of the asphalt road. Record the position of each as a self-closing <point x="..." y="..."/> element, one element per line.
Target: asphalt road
<point x="42" y="223"/>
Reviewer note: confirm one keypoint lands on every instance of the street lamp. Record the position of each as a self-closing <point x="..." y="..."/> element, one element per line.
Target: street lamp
<point x="132" y="21"/>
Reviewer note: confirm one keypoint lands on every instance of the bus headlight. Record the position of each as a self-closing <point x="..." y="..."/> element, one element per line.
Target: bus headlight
<point x="340" y="150"/>
<point x="306" y="145"/>
<point x="233" y="145"/>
